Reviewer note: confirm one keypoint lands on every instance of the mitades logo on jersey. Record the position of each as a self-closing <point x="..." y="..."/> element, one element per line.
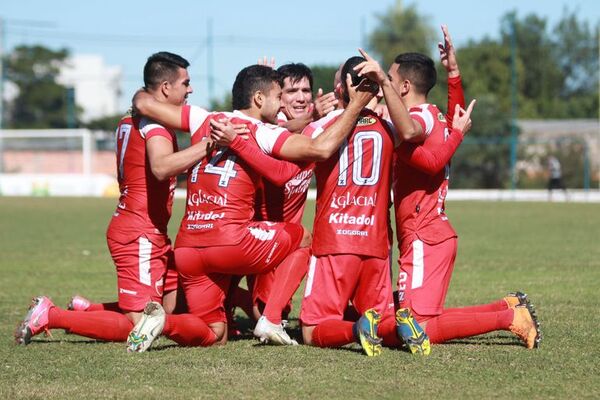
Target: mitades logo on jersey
<point x="353" y="200"/>
<point x="199" y="197"/>
<point x="346" y="219"/>
<point x="200" y="216"/>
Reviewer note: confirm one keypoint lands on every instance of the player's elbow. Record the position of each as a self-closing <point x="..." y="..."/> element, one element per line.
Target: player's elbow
<point x="142" y="104"/>
<point x="161" y="173"/>
<point x="412" y="136"/>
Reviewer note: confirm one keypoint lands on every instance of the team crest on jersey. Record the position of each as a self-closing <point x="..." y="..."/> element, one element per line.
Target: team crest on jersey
<point x="365" y="121"/>
<point x="441" y="117"/>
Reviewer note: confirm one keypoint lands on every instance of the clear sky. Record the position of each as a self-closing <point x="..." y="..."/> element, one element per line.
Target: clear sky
<point x="311" y="31"/>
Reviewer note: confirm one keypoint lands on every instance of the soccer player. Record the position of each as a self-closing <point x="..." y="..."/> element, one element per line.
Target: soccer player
<point x="221" y="193"/>
<point x="350" y="246"/>
<point x="426" y="239"/>
<point x="286" y="202"/>
<point x="148" y="162"/>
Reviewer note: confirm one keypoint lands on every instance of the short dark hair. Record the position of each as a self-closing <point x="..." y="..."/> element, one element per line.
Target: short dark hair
<point x="418" y="69"/>
<point x="162" y="66"/>
<point x="295" y="71"/>
<point x="348" y="68"/>
<point x="250" y="80"/>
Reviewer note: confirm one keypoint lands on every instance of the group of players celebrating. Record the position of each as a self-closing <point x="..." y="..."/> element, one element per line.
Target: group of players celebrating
<point x="248" y="173"/>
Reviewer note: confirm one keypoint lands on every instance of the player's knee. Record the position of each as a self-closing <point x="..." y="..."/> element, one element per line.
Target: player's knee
<point x="307" y="332"/>
<point x="220" y="331"/>
<point x="306" y="238"/>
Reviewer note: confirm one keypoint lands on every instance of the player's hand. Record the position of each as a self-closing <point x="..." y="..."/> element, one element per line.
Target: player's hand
<point x="223" y="132"/>
<point x="462" y="118"/>
<point x="140" y="96"/>
<point x="265" y="61"/>
<point x="324" y="104"/>
<point x="361" y="94"/>
<point x="382" y="111"/>
<point x="447" y="54"/>
<point x="297" y="125"/>
<point x="371" y="69"/>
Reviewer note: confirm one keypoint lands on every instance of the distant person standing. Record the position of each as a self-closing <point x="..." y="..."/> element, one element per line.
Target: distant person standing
<point x="555" y="176"/>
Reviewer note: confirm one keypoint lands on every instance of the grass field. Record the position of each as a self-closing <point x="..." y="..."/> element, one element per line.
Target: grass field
<point x="56" y="246"/>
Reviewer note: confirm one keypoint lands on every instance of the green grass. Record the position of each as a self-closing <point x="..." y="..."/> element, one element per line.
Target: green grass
<point x="56" y="246"/>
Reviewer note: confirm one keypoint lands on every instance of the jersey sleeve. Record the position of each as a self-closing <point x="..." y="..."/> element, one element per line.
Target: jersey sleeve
<point x="192" y="117"/>
<point x="276" y="171"/>
<point x="456" y="95"/>
<point x="429" y="161"/>
<point x="424" y="118"/>
<point x="150" y="129"/>
<point x="314" y="129"/>
<point x="271" y="138"/>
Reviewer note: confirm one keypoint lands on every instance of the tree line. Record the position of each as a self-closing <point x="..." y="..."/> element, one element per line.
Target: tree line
<point x="556" y="70"/>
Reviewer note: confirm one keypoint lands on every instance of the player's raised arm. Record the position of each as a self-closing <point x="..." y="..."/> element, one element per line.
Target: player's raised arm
<point x="448" y="59"/>
<point x="407" y="128"/>
<point x="302" y="148"/>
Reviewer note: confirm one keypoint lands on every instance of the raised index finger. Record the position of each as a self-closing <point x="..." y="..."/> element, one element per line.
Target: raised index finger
<point x="365" y="54"/>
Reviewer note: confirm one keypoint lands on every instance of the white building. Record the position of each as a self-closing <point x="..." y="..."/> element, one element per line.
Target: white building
<point x="97" y="85"/>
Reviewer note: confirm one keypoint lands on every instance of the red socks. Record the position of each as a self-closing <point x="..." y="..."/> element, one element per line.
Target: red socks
<point x="104" y="307"/>
<point x="333" y="333"/>
<point x="455" y="325"/>
<point x="188" y="330"/>
<point x="288" y="276"/>
<point x="386" y="330"/>
<point x="103" y="325"/>
<point x="499" y="305"/>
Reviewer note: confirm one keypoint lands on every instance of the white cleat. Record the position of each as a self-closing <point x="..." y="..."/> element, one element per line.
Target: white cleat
<point x="148" y="328"/>
<point x="268" y="332"/>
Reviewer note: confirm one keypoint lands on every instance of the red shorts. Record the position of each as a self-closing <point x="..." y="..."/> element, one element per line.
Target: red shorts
<point x="425" y="272"/>
<point x="264" y="247"/>
<point x="205" y="296"/>
<point x="141" y="269"/>
<point x="335" y="280"/>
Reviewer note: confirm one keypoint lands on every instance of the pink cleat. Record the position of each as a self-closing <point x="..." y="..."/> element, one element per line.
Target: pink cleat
<point x="35" y="321"/>
<point x="78" y="303"/>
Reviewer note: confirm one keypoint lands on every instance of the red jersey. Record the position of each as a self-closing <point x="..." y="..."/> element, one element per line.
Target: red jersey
<point x="285" y="203"/>
<point x="221" y="189"/>
<point x="419" y="196"/>
<point x="145" y="202"/>
<point x="353" y="190"/>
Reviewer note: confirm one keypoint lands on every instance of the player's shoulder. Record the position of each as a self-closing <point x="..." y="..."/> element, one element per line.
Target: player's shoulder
<point x="316" y="127"/>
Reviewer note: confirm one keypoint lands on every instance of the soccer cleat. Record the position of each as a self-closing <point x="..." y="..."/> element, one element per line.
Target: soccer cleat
<point x="515" y="299"/>
<point x="526" y="327"/>
<point x="78" y="303"/>
<point x="411" y="332"/>
<point x="365" y="331"/>
<point x="268" y="332"/>
<point x="148" y="328"/>
<point x="35" y="321"/>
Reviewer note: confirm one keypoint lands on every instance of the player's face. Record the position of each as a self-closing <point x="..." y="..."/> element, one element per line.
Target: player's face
<point x="180" y="88"/>
<point x="296" y="97"/>
<point x="272" y="104"/>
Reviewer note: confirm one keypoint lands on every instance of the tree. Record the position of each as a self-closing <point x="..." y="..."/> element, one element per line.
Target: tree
<point x="576" y="53"/>
<point x="323" y="77"/>
<point x="41" y="102"/>
<point x="401" y="29"/>
<point x="482" y="160"/>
